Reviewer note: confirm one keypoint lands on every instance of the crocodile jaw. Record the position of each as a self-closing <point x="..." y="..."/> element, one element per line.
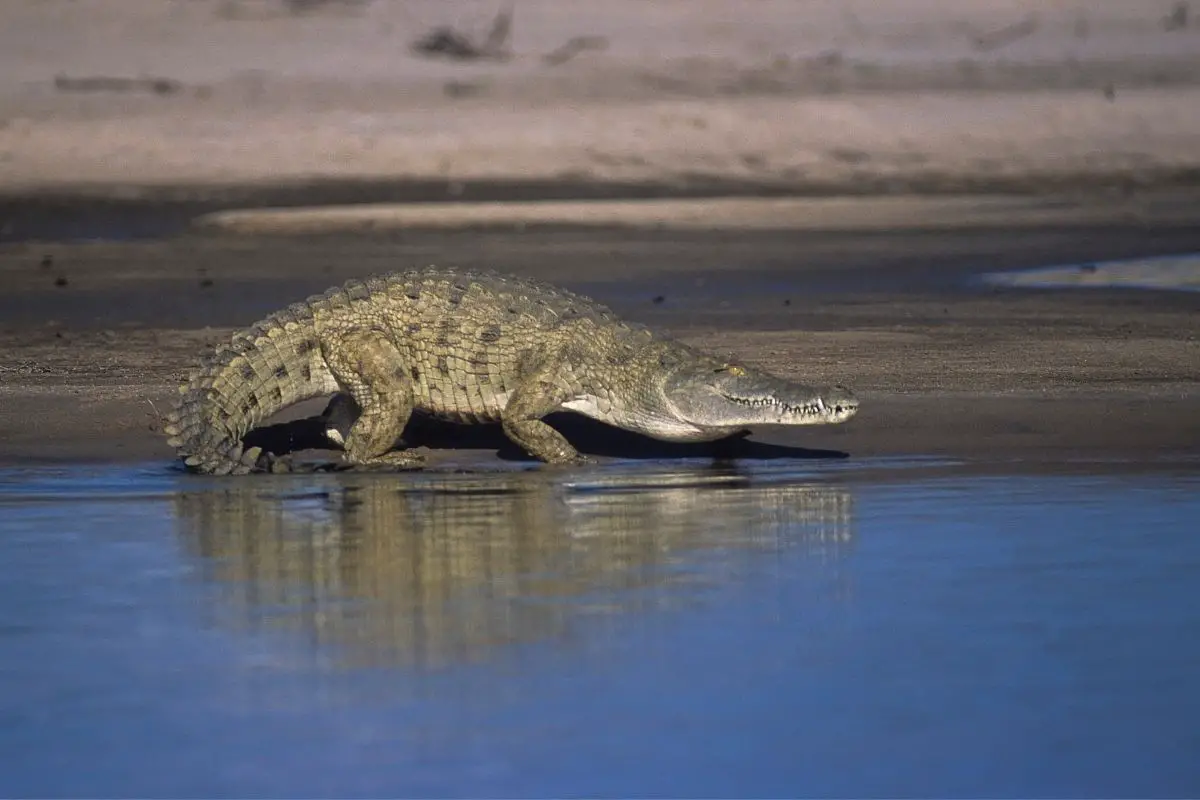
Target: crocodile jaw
<point x="730" y="398"/>
<point x="826" y="406"/>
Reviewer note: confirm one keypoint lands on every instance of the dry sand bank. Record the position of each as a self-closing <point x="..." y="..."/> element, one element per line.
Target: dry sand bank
<point x="1162" y="208"/>
<point x="823" y="95"/>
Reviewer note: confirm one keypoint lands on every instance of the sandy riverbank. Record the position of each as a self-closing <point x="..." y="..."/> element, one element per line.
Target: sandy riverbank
<point x="96" y="336"/>
<point x="114" y="117"/>
<point x="120" y="98"/>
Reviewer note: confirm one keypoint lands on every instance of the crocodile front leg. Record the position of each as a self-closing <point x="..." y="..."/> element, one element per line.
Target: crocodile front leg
<point x="369" y="367"/>
<point x="339" y="417"/>
<point x="537" y="396"/>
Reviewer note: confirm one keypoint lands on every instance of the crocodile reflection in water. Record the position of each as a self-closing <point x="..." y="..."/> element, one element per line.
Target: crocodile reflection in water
<point x="445" y="568"/>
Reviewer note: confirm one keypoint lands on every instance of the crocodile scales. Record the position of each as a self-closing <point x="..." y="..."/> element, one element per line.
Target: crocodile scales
<point x="469" y="347"/>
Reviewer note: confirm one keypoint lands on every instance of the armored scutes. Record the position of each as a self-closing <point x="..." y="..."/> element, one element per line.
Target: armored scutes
<point x="470" y="348"/>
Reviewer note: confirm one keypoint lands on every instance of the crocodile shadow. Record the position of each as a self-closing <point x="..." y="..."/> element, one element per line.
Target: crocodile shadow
<point x="587" y="435"/>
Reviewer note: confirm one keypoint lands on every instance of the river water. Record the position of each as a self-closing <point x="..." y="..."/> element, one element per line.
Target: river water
<point x="687" y="629"/>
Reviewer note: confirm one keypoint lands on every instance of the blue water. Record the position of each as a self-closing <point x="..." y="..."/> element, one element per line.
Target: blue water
<point x="1179" y="272"/>
<point x="906" y="629"/>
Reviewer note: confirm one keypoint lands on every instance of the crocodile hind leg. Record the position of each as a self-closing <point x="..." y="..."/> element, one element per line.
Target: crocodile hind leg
<point x="367" y="365"/>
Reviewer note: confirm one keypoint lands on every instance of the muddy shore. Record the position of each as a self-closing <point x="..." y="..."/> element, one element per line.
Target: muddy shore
<point x="95" y="336"/>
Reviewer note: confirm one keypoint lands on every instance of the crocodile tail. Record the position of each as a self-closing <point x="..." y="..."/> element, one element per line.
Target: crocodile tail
<point x="261" y="370"/>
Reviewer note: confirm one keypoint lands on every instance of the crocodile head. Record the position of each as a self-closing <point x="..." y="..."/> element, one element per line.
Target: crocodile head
<point x="717" y="399"/>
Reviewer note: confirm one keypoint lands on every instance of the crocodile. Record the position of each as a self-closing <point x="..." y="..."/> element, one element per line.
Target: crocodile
<point x="468" y="347"/>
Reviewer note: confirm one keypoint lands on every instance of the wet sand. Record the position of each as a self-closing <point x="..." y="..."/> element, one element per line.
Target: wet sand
<point x="95" y="336"/>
